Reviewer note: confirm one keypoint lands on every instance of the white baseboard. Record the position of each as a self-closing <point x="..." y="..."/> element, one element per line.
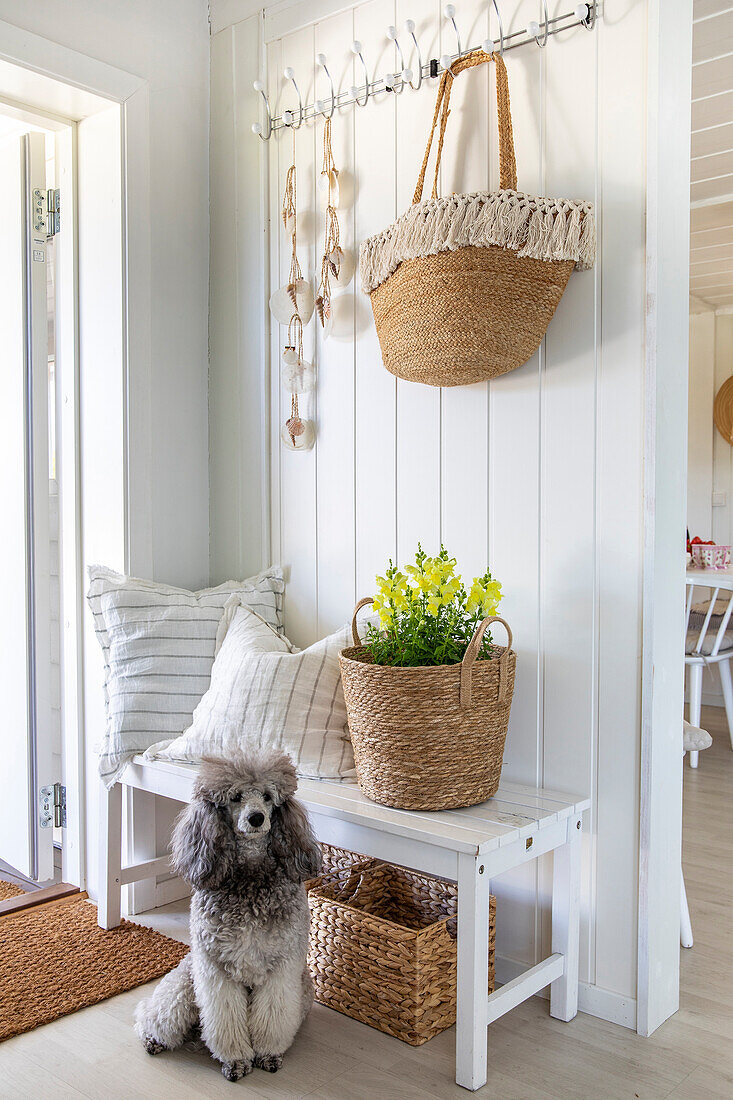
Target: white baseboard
<point x="592" y="1000"/>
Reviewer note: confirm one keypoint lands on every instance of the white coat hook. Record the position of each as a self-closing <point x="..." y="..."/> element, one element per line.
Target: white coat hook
<point x="320" y="106"/>
<point x="586" y="13"/>
<point x="489" y="46"/>
<point x="533" y="28"/>
<point x="449" y="11"/>
<point x="356" y="49"/>
<point x="288" y="116"/>
<point x="257" y="126"/>
<point x="404" y="76"/>
<point x="410" y="28"/>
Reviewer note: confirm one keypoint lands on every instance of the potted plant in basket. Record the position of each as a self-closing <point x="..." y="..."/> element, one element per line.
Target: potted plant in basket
<point x="428" y="693"/>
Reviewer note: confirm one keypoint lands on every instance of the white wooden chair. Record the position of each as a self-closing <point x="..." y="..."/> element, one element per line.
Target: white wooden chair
<point x="708" y="643"/>
<point x="693" y="740"/>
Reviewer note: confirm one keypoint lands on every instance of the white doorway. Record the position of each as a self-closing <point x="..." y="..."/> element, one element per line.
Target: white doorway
<point x="31" y="784"/>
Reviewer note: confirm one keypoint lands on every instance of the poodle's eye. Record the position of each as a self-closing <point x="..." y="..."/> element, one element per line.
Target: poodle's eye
<point x="267" y="796"/>
<point x="236" y="797"/>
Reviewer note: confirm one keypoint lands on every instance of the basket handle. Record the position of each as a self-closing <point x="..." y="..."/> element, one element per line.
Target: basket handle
<point x="357" y="609"/>
<point x="469" y="660"/>
<point x="507" y="159"/>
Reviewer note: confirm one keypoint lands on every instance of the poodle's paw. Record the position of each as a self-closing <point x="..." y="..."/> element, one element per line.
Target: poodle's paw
<point x="152" y="1045"/>
<point x="234" y="1071"/>
<point x="270" y="1062"/>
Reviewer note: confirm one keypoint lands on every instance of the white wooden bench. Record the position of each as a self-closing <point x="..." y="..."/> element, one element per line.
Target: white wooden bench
<point x="471" y="846"/>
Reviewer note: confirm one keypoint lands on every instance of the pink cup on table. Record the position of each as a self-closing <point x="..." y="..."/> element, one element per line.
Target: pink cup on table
<point x="710" y="557"/>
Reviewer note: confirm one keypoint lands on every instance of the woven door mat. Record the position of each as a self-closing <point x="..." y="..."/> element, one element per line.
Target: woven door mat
<point x="55" y="959"/>
<point x="9" y="890"/>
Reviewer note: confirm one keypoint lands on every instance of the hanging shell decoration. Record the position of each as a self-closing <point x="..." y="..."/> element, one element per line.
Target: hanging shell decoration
<point x="297" y="294"/>
<point x="336" y="264"/>
<point x="293" y="305"/>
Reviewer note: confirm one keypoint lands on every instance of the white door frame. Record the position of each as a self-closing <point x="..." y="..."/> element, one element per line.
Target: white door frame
<point x="665" y="501"/>
<point x="83" y="79"/>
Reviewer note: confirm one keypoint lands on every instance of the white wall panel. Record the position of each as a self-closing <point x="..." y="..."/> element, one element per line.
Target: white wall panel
<point x="537" y="473"/>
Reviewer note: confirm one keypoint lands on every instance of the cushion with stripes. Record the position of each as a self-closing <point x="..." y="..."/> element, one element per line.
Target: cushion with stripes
<point x="265" y="692"/>
<point x="158" y="646"/>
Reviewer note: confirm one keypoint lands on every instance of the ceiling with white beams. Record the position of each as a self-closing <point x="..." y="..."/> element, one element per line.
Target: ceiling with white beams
<point x="711" y="168"/>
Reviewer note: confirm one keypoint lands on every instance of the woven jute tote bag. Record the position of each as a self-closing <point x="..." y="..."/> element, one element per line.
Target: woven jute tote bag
<point x="463" y="287"/>
<point x="383" y="948"/>
<point x="432" y="737"/>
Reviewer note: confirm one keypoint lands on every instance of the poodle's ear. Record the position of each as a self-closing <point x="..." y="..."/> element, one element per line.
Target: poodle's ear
<point x="203" y="845"/>
<point x="293" y="843"/>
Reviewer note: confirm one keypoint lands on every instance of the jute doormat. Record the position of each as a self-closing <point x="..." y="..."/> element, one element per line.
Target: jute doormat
<point x="56" y="959"/>
<point x="9" y="890"/>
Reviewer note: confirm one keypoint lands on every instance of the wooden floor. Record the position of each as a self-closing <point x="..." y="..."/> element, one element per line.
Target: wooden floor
<point x="95" y="1054"/>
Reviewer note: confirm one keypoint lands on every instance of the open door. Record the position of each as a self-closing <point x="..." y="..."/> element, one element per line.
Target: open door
<point x="26" y="827"/>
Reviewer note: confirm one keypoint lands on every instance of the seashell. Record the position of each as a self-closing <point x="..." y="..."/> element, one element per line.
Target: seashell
<point x="298" y="376"/>
<point x="293" y="298"/>
<point x="323" y="182"/>
<point x="289" y="221"/>
<point x="327" y="318"/>
<point x="344" y="261"/>
<point x="300" y="440"/>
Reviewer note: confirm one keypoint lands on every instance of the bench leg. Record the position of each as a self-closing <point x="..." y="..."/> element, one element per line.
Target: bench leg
<point x="110" y="856"/>
<point x="473" y="972"/>
<point x="566" y="922"/>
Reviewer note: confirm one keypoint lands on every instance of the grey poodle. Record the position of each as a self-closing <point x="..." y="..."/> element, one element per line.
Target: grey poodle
<point x="245" y="845"/>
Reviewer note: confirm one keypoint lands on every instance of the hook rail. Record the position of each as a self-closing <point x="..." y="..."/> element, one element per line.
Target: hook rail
<point x="583" y="15"/>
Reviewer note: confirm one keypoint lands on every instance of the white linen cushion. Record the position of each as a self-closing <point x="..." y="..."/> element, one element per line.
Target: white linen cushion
<point x="264" y="692"/>
<point x="158" y="647"/>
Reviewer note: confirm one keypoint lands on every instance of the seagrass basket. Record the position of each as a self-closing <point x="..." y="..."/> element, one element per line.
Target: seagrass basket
<point x="383" y="948"/>
<point x="463" y="287"/>
<point x="429" y="738"/>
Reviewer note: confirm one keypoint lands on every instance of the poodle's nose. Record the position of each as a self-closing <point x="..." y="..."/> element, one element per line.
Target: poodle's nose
<point x="256" y="820"/>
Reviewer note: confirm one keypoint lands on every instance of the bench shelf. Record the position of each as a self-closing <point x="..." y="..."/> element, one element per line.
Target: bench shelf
<point x="471" y="846"/>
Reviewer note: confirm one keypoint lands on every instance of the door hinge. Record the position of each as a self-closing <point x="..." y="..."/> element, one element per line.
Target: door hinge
<point x="53" y="212"/>
<point x="53" y="807"/>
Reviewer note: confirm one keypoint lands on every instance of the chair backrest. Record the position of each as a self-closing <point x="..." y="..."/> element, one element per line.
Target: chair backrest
<point x="710" y="615"/>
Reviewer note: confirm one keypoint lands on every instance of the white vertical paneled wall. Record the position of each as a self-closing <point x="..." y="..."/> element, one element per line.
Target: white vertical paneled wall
<point x="537" y="473"/>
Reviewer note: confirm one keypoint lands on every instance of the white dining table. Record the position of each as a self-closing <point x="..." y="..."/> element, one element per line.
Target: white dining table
<point x="711" y="578"/>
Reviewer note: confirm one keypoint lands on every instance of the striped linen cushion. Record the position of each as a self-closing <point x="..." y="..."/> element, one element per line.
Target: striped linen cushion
<point x="264" y="692"/>
<point x="158" y="647"/>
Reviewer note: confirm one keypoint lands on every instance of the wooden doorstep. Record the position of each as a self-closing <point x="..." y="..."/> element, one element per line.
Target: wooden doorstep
<point x="37" y="897"/>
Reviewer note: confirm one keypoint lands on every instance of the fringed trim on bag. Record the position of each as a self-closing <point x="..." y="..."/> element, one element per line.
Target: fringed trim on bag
<point x="543" y="229"/>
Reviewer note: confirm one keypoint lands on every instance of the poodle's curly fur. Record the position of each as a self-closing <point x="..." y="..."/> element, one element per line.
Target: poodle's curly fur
<point x="245" y="845"/>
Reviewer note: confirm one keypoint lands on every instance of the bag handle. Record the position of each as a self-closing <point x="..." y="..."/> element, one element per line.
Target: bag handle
<point x="357" y="609"/>
<point x="471" y="654"/>
<point x="507" y="159"/>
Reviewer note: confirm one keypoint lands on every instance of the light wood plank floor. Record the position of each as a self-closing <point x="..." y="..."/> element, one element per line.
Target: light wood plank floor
<point x="95" y="1054"/>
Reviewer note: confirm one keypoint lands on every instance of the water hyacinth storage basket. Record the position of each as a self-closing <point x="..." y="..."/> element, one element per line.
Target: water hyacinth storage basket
<point x="463" y="287"/>
<point x="383" y="947"/>
<point x="432" y="737"/>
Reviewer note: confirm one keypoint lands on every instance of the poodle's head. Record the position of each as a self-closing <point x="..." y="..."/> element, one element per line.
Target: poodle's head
<point x="243" y="809"/>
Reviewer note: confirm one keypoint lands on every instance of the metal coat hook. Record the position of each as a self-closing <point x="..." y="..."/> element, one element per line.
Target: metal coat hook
<point x="449" y="11"/>
<point x="586" y="13"/>
<point x="288" y="117"/>
<point x="320" y="106"/>
<point x="257" y="126"/>
<point x="533" y="28"/>
<point x="391" y="81"/>
<point x="489" y="45"/>
<point x="356" y="49"/>
<point x="410" y="28"/>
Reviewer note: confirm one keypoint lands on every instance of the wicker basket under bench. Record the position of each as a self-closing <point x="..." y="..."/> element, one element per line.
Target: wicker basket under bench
<point x="383" y="945"/>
